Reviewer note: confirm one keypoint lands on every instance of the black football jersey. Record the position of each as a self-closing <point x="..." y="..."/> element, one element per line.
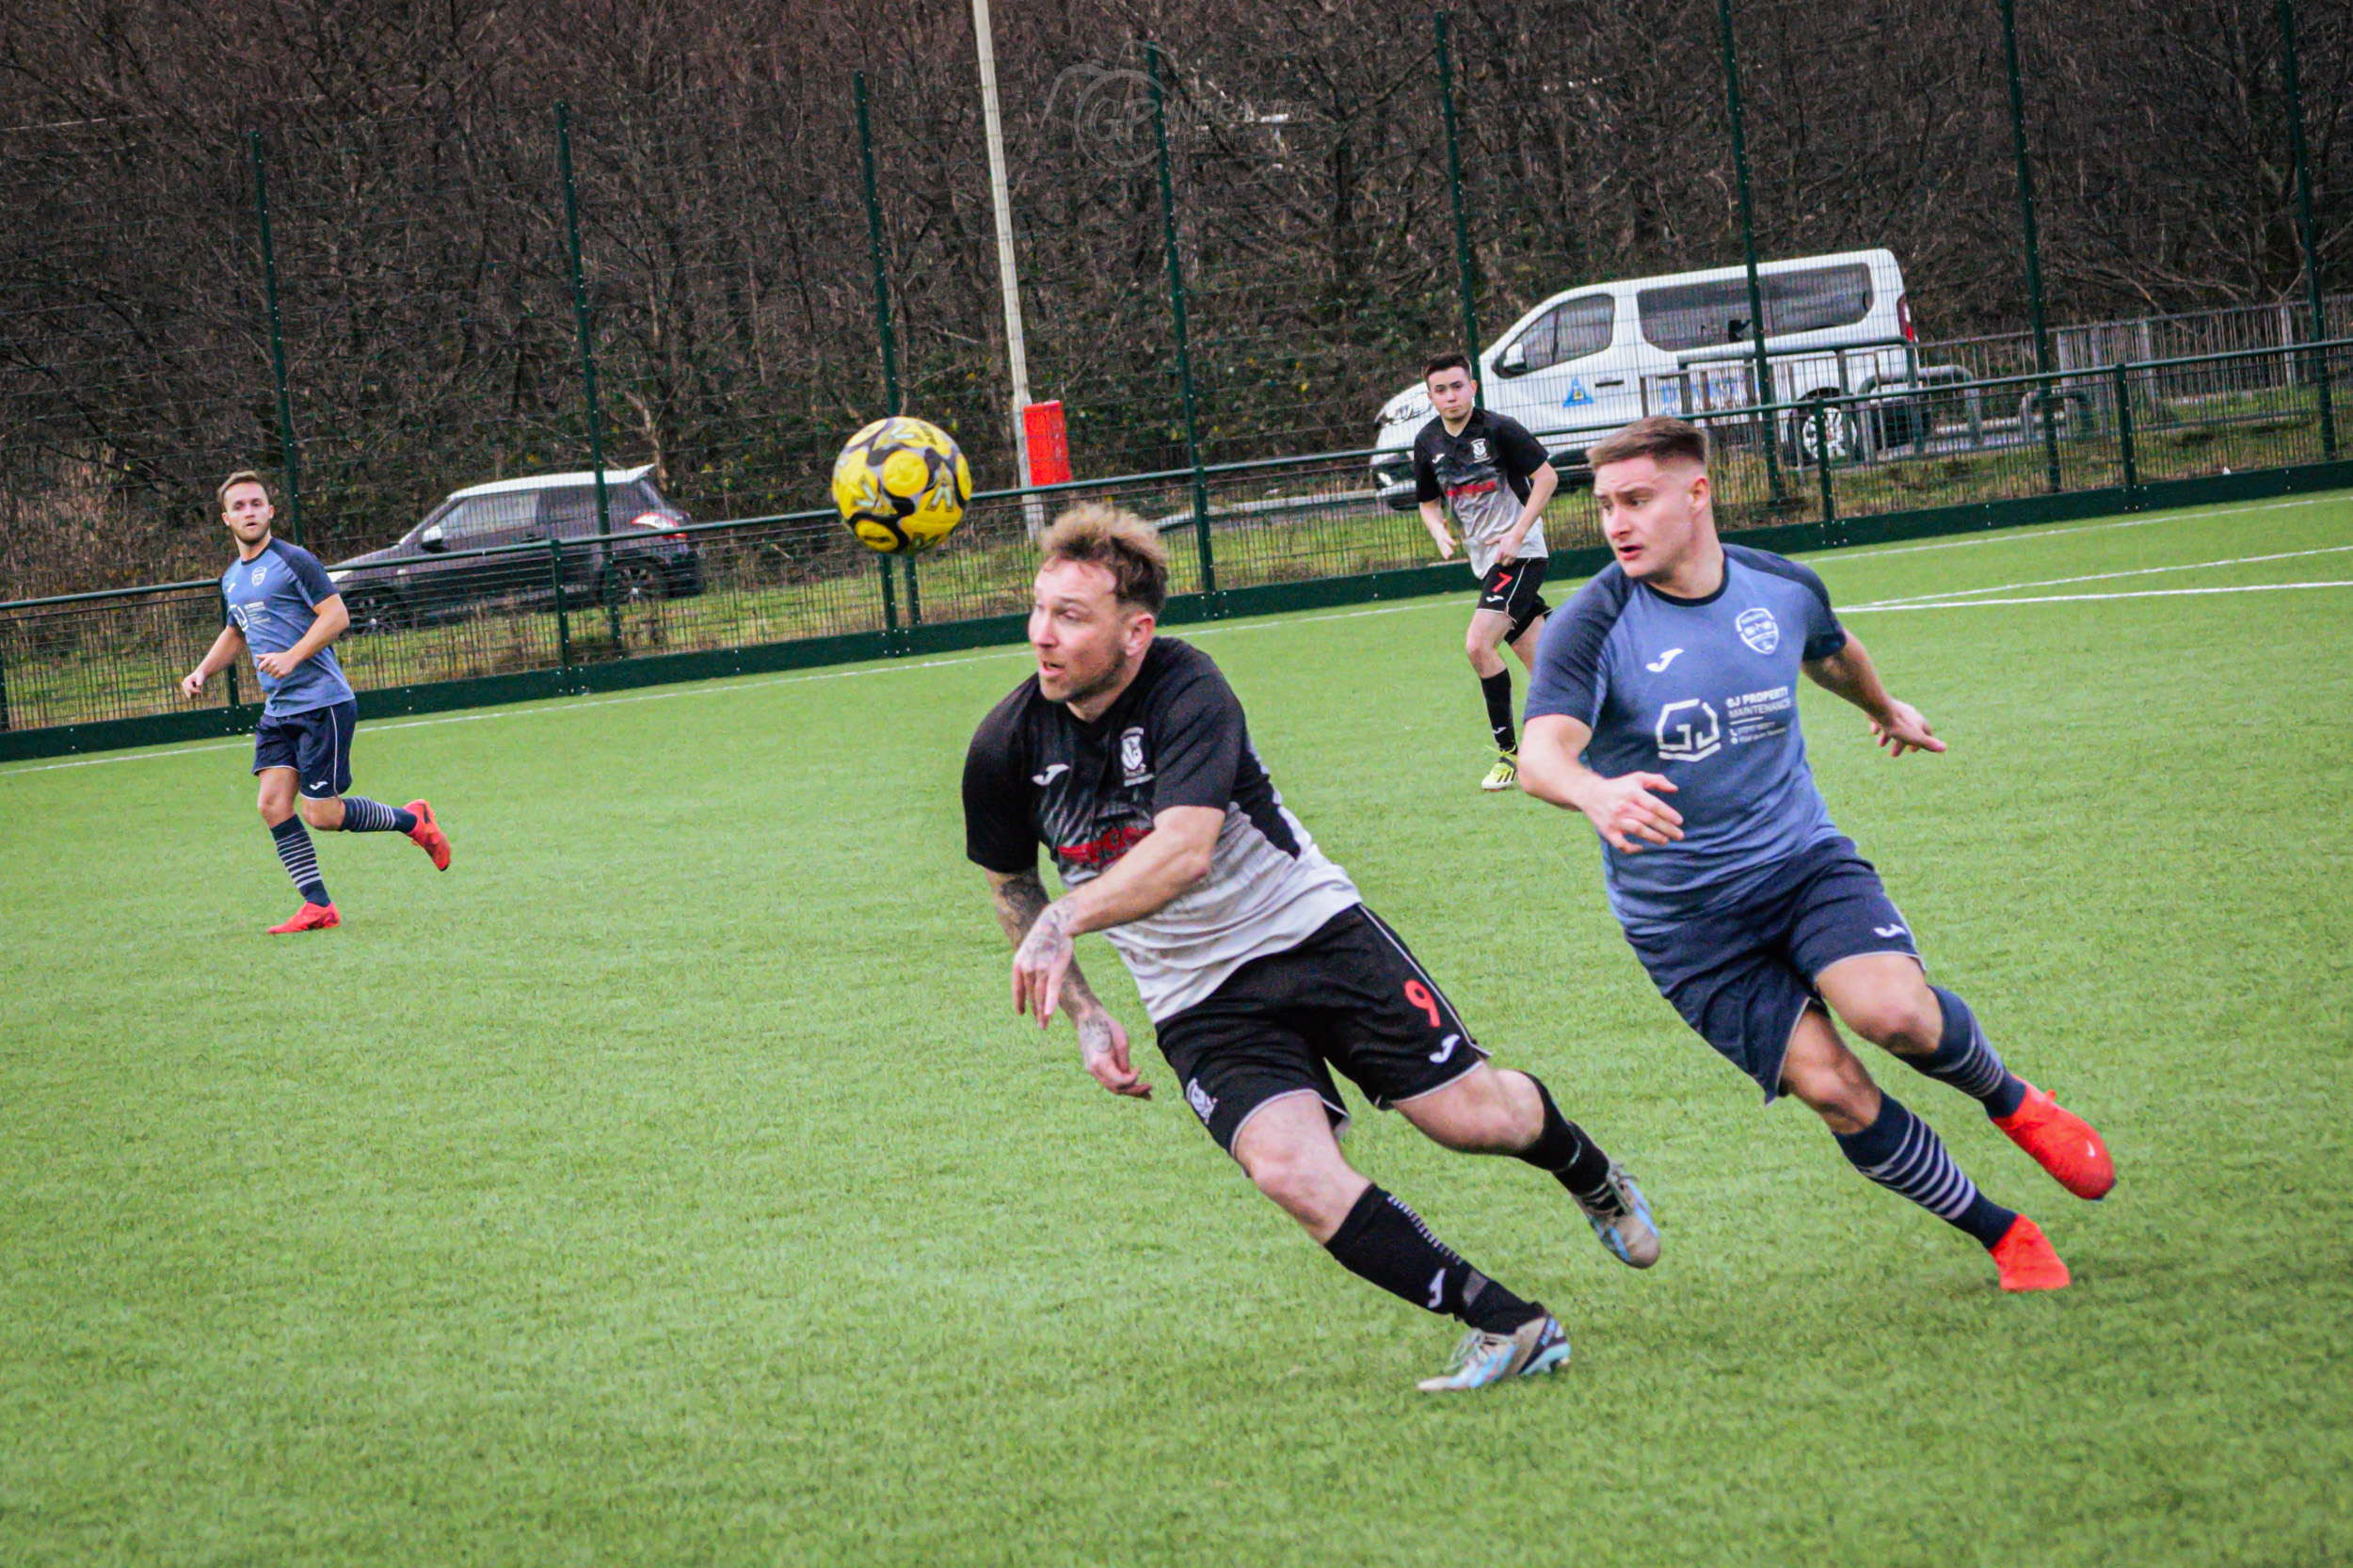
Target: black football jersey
<point x="1036" y="773"/>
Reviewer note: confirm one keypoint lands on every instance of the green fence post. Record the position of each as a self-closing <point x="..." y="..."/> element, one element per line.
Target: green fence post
<point x="1462" y="258"/>
<point x="890" y="599"/>
<point x="2319" y="328"/>
<point x="2033" y="238"/>
<point x="563" y="619"/>
<point x="1184" y="350"/>
<point x="1765" y="399"/>
<point x="875" y="248"/>
<point x="915" y="605"/>
<point x="4" y="685"/>
<point x="587" y="351"/>
<point x="1821" y="459"/>
<point x="277" y="343"/>
<point x="2126" y="459"/>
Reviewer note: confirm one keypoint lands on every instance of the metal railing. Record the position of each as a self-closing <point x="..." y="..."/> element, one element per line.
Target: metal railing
<point x="568" y="602"/>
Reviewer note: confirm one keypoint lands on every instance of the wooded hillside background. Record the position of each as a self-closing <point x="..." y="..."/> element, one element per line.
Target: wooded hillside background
<point x="418" y="224"/>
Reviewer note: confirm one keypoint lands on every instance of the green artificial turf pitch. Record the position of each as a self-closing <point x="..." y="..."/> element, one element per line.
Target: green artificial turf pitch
<point x="670" y="1182"/>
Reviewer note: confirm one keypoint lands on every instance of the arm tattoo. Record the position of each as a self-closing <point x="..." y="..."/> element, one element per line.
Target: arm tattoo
<point x="1020" y="902"/>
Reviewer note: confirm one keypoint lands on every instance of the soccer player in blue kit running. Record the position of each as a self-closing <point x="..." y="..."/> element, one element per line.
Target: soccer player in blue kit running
<point x="282" y="605"/>
<point x="1663" y="707"/>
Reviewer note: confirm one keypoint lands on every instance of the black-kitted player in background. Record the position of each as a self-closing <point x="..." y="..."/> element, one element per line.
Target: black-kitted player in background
<point x="1493" y="473"/>
<point x="1128" y="757"/>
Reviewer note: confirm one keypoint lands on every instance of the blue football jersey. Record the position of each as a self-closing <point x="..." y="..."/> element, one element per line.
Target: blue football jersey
<point x="273" y="600"/>
<point x="1706" y="693"/>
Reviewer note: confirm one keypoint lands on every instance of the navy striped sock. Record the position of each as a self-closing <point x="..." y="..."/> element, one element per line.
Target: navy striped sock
<point x="362" y="815"/>
<point x="300" y="860"/>
<point x="1965" y="1059"/>
<point x="1901" y="1153"/>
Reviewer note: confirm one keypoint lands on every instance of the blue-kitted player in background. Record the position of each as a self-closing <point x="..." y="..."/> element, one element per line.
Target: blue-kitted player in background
<point x="1663" y="706"/>
<point x="282" y="605"/>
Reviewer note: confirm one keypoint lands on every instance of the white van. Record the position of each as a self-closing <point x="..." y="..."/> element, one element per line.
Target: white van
<point x="1590" y="359"/>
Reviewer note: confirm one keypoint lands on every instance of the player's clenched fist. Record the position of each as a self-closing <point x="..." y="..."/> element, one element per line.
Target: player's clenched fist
<point x="1103" y="1048"/>
<point x="1624" y="809"/>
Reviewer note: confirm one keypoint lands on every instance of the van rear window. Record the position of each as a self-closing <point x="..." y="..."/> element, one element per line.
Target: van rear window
<point x="1705" y="316"/>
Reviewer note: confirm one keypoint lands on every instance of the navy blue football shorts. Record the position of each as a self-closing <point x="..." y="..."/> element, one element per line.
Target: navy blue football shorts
<point x="315" y="743"/>
<point x="1744" y="976"/>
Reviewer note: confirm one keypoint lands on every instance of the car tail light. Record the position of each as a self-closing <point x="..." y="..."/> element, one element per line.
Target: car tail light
<point x="653" y="522"/>
<point x="1903" y="318"/>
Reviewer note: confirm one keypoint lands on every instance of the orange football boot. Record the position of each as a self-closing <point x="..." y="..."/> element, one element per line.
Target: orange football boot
<point x="427" y="835"/>
<point x="311" y="917"/>
<point x="2025" y="1257"/>
<point x="2061" y="1143"/>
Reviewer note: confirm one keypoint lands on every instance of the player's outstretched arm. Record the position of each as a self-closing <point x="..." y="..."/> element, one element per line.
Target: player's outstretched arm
<point x="1850" y="673"/>
<point x="216" y="658"/>
<point x="1625" y="810"/>
<point x="1019" y="899"/>
<point x="333" y="621"/>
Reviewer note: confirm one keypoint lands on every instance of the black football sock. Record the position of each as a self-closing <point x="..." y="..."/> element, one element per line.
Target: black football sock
<point x="1901" y="1153"/>
<point x="1385" y="1241"/>
<point x="362" y="815"/>
<point x="1497" y="689"/>
<point x="1965" y="1059"/>
<point x="1563" y="1149"/>
<point x="300" y="860"/>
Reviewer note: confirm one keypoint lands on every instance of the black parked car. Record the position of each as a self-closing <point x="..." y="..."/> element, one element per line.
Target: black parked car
<point x="431" y="575"/>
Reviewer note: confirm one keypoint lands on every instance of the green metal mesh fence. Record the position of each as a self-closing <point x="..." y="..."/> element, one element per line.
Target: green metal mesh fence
<point x="1235" y="245"/>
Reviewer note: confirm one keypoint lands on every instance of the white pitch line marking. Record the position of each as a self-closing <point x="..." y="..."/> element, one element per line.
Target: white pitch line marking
<point x="2013" y="535"/>
<point x="2098" y="577"/>
<point x="2082" y="599"/>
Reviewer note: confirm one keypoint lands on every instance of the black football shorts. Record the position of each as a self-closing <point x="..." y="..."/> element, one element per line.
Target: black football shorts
<point x="1349" y="996"/>
<point x="1515" y="588"/>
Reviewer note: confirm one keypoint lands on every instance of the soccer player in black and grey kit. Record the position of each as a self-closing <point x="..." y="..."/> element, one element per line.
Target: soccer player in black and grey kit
<point x="1493" y="473"/>
<point x="1128" y="757"/>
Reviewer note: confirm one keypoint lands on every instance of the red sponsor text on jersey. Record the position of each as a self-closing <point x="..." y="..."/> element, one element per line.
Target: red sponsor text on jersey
<point x="1103" y="851"/>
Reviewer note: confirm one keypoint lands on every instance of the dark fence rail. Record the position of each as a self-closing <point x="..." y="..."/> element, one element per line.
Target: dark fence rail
<point x="2096" y="438"/>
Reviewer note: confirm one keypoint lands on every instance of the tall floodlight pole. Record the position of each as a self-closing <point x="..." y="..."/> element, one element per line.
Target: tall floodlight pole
<point x="1008" y="276"/>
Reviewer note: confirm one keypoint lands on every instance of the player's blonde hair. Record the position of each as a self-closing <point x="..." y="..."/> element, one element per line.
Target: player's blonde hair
<point x="243" y="476"/>
<point x="1659" y="437"/>
<point x="1117" y="540"/>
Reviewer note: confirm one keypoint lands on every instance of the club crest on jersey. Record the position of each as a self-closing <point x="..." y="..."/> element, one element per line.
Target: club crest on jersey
<point x="1132" y="767"/>
<point x="1757" y="630"/>
<point x="260" y="575"/>
<point x="1479" y="449"/>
